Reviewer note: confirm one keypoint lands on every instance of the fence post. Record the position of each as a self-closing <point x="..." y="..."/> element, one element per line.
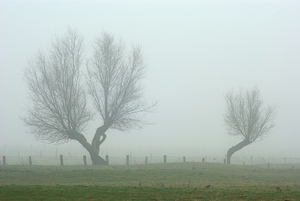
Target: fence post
<point x="61" y="160"/>
<point x="30" y="162"/>
<point x="127" y="159"/>
<point x="146" y="160"/>
<point x="107" y="159"/>
<point x="84" y="160"/>
<point x="4" y="160"/>
<point x="165" y="158"/>
<point x="184" y="159"/>
<point x="203" y="160"/>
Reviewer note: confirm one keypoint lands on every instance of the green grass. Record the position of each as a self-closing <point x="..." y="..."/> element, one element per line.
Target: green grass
<point x="175" y="181"/>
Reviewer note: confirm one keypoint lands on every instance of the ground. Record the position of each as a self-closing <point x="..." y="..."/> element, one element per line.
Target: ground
<point x="173" y="181"/>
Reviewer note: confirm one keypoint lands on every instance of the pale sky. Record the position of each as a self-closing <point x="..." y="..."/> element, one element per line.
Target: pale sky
<point x="195" y="51"/>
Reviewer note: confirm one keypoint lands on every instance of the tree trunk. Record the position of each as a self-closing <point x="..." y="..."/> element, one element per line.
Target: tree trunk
<point x="99" y="138"/>
<point x="237" y="147"/>
<point x="96" y="159"/>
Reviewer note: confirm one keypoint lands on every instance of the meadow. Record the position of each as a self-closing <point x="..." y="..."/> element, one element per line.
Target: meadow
<point x="170" y="181"/>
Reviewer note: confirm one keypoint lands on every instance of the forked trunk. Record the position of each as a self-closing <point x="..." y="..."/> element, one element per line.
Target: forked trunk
<point x="99" y="138"/>
<point x="94" y="153"/>
<point x="235" y="148"/>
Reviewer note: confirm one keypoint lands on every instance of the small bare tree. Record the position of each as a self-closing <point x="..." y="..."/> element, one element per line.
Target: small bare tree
<point x="247" y="117"/>
<point x="114" y="84"/>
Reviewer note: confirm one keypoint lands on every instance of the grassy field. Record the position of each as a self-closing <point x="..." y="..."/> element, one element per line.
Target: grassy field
<point x="174" y="181"/>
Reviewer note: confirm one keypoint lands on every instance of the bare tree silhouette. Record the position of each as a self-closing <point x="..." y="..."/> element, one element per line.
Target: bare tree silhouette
<point x="246" y="116"/>
<point x="59" y="110"/>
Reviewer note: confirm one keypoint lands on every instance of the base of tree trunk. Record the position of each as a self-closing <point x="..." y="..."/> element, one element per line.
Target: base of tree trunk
<point x="97" y="160"/>
<point x="235" y="148"/>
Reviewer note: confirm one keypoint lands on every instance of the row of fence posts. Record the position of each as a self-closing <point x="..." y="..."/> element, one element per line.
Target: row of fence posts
<point x="107" y="160"/>
<point x="61" y="158"/>
<point x="165" y="159"/>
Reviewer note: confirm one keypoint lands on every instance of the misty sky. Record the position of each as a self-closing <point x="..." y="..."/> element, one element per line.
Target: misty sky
<point x="195" y="52"/>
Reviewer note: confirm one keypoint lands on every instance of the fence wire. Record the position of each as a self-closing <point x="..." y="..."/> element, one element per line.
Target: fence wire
<point x="138" y="160"/>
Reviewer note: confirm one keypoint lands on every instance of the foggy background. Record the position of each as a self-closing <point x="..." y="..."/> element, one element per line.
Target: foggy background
<point x="195" y="52"/>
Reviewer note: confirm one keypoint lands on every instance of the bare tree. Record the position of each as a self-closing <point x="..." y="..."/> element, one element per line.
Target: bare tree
<point x="114" y="84"/>
<point x="247" y="117"/>
<point x="59" y="110"/>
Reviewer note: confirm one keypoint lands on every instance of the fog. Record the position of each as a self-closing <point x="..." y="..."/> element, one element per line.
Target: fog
<point x="195" y="52"/>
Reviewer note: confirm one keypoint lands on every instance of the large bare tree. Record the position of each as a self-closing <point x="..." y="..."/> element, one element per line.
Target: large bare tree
<point x="59" y="111"/>
<point x="246" y="116"/>
<point x="114" y="84"/>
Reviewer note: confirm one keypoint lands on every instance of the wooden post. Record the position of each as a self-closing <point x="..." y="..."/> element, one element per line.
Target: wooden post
<point x="127" y="159"/>
<point x="84" y="160"/>
<point x="30" y="162"/>
<point x="165" y="158"/>
<point x="184" y="159"/>
<point x="4" y="160"/>
<point x="61" y="160"/>
<point x="107" y="159"/>
<point x="146" y="160"/>
<point x="203" y="160"/>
